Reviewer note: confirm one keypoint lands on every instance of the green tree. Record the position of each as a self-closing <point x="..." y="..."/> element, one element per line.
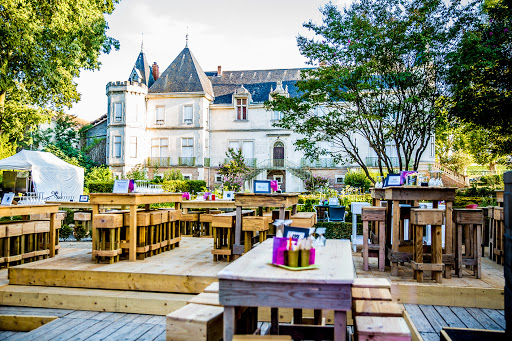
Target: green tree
<point x="139" y="172"/>
<point x="99" y="174"/>
<point x="478" y="71"/>
<point x="234" y="171"/>
<point x="377" y="80"/>
<point x="44" y="46"/>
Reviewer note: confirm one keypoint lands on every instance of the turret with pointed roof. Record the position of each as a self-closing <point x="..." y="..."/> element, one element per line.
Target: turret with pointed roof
<point x="184" y="74"/>
<point x="141" y="71"/>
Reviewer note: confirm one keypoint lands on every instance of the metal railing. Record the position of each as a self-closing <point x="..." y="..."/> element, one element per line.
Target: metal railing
<point x="248" y="162"/>
<point x="373" y="161"/>
<point x="159" y="161"/>
<point x="320" y="163"/>
<point x="187" y="161"/>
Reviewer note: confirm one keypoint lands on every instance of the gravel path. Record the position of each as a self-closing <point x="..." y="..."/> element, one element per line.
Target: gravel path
<point x="77" y="245"/>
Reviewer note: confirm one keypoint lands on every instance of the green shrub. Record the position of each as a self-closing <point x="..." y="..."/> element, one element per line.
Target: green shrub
<point x="196" y="186"/>
<point x="175" y="186"/>
<point x="80" y="232"/>
<point x="99" y="174"/>
<point x="474" y="191"/>
<point x="139" y="172"/>
<point x="172" y="174"/>
<point x="65" y="231"/>
<point x="358" y="179"/>
<point x="100" y="187"/>
<point x="461" y="202"/>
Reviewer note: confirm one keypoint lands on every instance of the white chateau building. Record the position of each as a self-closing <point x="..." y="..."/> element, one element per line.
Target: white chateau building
<point x="187" y="119"/>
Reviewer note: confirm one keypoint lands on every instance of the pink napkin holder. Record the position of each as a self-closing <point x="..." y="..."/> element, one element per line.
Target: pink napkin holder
<point x="311" y="256"/>
<point x="278" y="250"/>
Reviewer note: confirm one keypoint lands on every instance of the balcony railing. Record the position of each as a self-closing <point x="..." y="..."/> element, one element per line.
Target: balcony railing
<point x="159" y="161"/>
<point x="187" y="161"/>
<point x="248" y="162"/>
<point x="320" y="163"/>
<point x="278" y="163"/>
<point x="374" y="161"/>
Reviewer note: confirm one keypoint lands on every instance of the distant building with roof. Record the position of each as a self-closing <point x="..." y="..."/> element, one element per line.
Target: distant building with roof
<point x="187" y="119"/>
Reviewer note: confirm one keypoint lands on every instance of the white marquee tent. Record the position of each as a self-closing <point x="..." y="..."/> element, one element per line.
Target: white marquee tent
<point x="49" y="173"/>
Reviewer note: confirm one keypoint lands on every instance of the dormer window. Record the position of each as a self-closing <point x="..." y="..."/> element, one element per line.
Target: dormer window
<point x="241" y="98"/>
<point x="188" y="117"/>
<point x="241" y="109"/>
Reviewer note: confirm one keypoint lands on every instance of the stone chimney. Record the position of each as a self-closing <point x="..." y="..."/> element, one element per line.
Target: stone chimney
<point x="156" y="71"/>
<point x="219" y="71"/>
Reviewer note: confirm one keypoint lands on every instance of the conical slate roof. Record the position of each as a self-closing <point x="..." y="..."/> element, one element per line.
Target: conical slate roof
<point x="183" y="75"/>
<point x="141" y="72"/>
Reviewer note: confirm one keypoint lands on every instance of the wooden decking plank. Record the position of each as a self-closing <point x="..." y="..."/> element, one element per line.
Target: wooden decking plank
<point x="128" y="318"/>
<point x="71" y="332"/>
<point x="142" y="318"/>
<point x="466" y="317"/>
<point x="483" y="319"/>
<point x="496" y="316"/>
<point x="430" y="336"/>
<point x="140" y="330"/>
<point x="152" y="333"/>
<point x="105" y="316"/>
<point x="4" y="334"/>
<point x="85" y="334"/>
<point x="9" y="310"/>
<point x="160" y="337"/>
<point x="123" y="333"/>
<point x="83" y="314"/>
<point x="107" y="331"/>
<point x="157" y="320"/>
<point x="52" y="329"/>
<point x="451" y="319"/>
<point x="435" y="319"/>
<point x="419" y="319"/>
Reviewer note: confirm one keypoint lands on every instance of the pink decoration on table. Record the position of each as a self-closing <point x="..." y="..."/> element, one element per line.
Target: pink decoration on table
<point x="311" y="256"/>
<point x="274" y="185"/>
<point x="278" y="250"/>
<point x="472" y="206"/>
<point x="206" y="195"/>
<point x="186" y="195"/>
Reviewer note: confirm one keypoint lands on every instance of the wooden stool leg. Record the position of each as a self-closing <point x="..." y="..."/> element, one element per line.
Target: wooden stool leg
<point x="365" y="245"/>
<point x="478" y="256"/>
<point x="458" y="265"/>
<point x="418" y="251"/>
<point x="382" y="246"/>
<point x="437" y="251"/>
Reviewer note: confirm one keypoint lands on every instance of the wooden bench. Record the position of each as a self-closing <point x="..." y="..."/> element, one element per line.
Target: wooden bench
<point x="83" y="219"/>
<point x="223" y="226"/>
<point x="303" y="219"/>
<point x="195" y="322"/>
<point x="253" y="224"/>
<point x="467" y="247"/>
<point x="381" y="328"/>
<point x="143" y="223"/>
<point x="375" y="249"/>
<point x="171" y="229"/>
<point x="189" y="224"/>
<point x="420" y="218"/>
<point x="108" y="244"/>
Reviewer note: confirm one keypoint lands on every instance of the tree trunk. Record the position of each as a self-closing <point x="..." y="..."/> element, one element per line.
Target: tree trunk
<point x="492" y="167"/>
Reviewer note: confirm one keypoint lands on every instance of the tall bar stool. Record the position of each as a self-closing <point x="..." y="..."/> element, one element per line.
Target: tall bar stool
<point x="189" y="223"/>
<point x="498" y="229"/>
<point x="155" y="231"/>
<point x="378" y="246"/>
<point x="108" y="245"/>
<point x="143" y="222"/>
<point x="420" y="218"/>
<point x="468" y="238"/>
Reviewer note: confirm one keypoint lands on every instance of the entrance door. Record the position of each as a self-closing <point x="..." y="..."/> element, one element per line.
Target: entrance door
<point x="278" y="154"/>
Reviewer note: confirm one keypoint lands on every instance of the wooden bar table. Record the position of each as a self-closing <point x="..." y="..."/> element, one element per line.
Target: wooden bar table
<point x="393" y="195"/>
<point x="21" y="210"/>
<point x="132" y="200"/>
<point x="251" y="281"/>
<point x="77" y="205"/>
<point x="207" y="204"/>
<point x="260" y="200"/>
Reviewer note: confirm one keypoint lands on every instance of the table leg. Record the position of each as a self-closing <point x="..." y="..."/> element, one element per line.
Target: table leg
<point x="365" y="245"/>
<point x="437" y="251"/>
<point x="53" y="231"/>
<point x="229" y="323"/>
<point x="340" y="325"/>
<point x="382" y="246"/>
<point x="354" y="232"/>
<point x="294" y="210"/>
<point x="448" y="239"/>
<point x="396" y="235"/>
<point x="274" y="321"/>
<point x="388" y="229"/>
<point x="132" y="256"/>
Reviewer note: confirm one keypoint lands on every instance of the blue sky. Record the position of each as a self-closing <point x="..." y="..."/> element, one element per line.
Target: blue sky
<point x="237" y="35"/>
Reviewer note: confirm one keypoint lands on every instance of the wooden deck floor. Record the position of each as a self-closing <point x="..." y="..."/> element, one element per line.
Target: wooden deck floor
<point x="186" y="269"/>
<point x="87" y="325"/>
<point x="468" y="291"/>
<point x="430" y="319"/>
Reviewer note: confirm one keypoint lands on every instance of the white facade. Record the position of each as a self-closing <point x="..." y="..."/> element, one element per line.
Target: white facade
<point x="188" y="119"/>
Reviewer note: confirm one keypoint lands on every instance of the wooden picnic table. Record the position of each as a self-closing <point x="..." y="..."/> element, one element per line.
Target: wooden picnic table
<point x="393" y="195"/>
<point x="132" y="200"/>
<point x="25" y="210"/>
<point x="251" y="281"/>
<point x="260" y="200"/>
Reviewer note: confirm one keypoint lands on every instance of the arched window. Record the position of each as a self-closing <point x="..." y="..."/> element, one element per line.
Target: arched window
<point x="278" y="154"/>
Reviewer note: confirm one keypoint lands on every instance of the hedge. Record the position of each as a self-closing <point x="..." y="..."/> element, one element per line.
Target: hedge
<point x="339" y="230"/>
<point x="100" y="187"/>
<point x="191" y="186"/>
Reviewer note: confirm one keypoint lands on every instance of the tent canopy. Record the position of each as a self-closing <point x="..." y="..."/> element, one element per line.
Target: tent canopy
<point x="49" y="173"/>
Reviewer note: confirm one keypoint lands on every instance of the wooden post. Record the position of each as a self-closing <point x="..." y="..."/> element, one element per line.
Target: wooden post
<point x="229" y="322"/>
<point x="365" y="245"/>
<point x="448" y="238"/>
<point x="133" y="234"/>
<point x="396" y="235"/>
<point x="437" y="251"/>
<point x="382" y="246"/>
<point x="340" y="325"/>
<point x="95" y="211"/>
<point x="53" y="227"/>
